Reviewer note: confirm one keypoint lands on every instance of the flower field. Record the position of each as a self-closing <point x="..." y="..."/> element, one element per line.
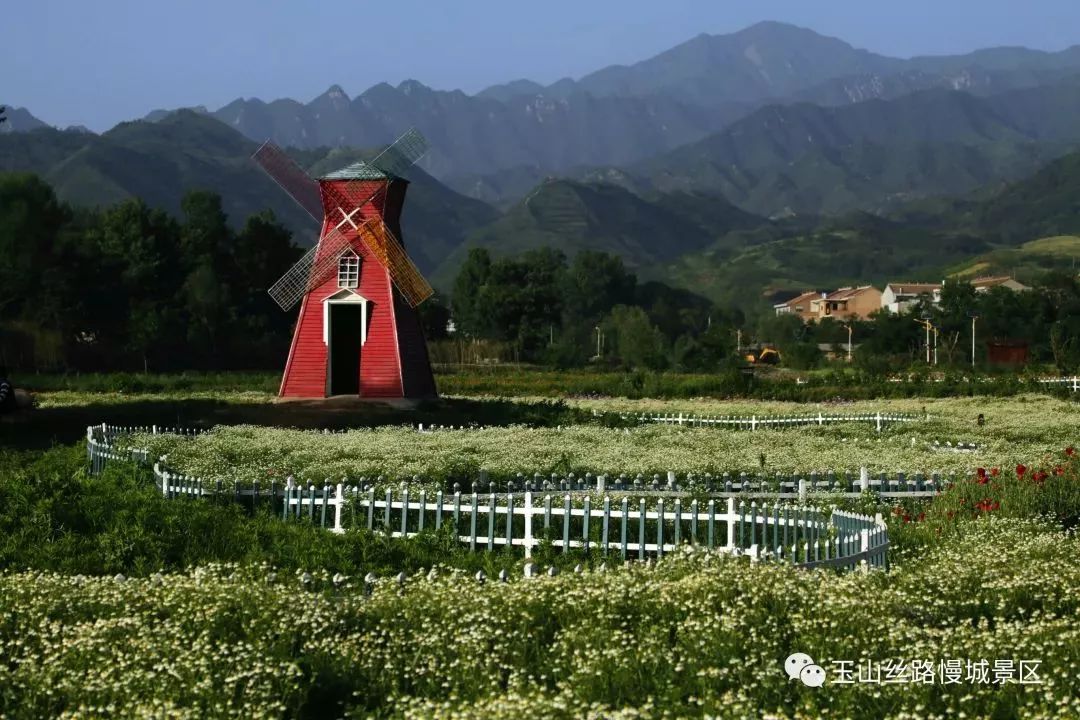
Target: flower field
<point x="695" y="635"/>
<point x="1016" y="430"/>
<point x="118" y="602"/>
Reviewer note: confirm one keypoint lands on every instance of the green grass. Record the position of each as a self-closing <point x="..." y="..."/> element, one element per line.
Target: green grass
<point x="55" y="517"/>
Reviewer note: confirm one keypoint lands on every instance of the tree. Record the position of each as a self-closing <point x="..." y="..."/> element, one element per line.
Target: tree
<point x="595" y="283"/>
<point x="31" y="219"/>
<point x="434" y="317"/>
<point x="474" y="274"/>
<point x="206" y="232"/>
<point x="637" y="342"/>
<point x="135" y="248"/>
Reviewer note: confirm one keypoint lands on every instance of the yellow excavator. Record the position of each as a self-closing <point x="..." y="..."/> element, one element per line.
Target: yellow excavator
<point x="764" y="355"/>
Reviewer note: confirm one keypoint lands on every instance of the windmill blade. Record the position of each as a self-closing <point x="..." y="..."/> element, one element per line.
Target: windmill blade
<point x="386" y="248"/>
<point x="320" y="262"/>
<point x="311" y="270"/>
<point x="402" y="154"/>
<point x="291" y="178"/>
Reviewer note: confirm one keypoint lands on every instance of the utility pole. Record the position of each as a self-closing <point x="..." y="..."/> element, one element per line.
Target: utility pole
<point x="974" y="317"/>
<point x="935" y="346"/>
<point x="925" y="322"/>
<point x="597" y="341"/>
<point x="848" y="326"/>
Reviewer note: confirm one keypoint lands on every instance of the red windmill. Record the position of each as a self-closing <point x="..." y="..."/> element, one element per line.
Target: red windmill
<point x="358" y="332"/>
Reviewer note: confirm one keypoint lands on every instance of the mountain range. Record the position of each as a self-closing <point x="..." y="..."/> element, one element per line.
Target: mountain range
<point x="733" y="165"/>
<point x="623" y="114"/>
<point x="160" y="161"/>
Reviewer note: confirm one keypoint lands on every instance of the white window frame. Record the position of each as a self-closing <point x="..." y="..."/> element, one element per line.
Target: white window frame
<point x="345" y="297"/>
<point x="348" y="271"/>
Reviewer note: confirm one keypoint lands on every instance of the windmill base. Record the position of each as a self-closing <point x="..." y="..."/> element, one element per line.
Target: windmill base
<point x="352" y="401"/>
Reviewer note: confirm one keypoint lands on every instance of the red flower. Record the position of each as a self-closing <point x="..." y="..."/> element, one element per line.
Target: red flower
<point x="922" y="516"/>
<point x="898" y="511"/>
<point x="995" y="506"/>
<point x="1059" y="471"/>
<point x="1070" y="451"/>
<point x="907" y="518"/>
<point x="995" y="472"/>
<point x="950" y="514"/>
<point x="987" y="505"/>
<point x="1039" y="476"/>
<point x="981" y="472"/>
<point x="1020" y="470"/>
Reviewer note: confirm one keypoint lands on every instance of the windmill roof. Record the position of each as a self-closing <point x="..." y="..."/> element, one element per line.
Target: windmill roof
<point x="360" y="171"/>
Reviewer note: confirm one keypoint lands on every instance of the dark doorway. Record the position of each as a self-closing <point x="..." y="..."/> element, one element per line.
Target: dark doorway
<point x="346" y="329"/>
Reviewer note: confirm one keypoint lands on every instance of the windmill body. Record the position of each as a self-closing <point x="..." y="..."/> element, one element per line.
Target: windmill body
<point x="358" y="332"/>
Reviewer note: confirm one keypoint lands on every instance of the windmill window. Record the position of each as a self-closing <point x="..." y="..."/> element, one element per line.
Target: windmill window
<point x="348" y="275"/>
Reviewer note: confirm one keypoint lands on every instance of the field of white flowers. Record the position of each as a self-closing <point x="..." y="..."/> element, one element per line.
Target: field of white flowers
<point x="696" y="635"/>
<point x="984" y="575"/>
<point x="1016" y="430"/>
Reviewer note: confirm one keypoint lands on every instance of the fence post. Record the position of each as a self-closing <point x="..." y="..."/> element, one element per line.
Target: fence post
<point x="877" y="419"/>
<point x="339" y="506"/>
<point x="528" y="524"/>
<point x="864" y="547"/>
<point x="802" y="489"/>
<point x="730" y="519"/>
<point x="753" y="423"/>
<point x="864" y="479"/>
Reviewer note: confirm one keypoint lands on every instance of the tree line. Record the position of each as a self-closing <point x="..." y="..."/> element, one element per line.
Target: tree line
<point x="129" y="287"/>
<point x="554" y="311"/>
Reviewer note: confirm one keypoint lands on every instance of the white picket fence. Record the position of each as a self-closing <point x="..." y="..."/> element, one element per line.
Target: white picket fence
<point x="1072" y="383"/>
<point x="801" y="535"/>
<point x="755" y="422"/>
<point x="777" y="486"/>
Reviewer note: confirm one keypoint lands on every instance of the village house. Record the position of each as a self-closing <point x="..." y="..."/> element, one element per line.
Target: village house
<point x="982" y="284"/>
<point x="798" y="305"/>
<point x="842" y="304"/>
<point x="847" y="303"/>
<point x="901" y="297"/>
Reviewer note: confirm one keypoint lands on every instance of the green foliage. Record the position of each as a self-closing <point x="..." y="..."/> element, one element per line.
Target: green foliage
<point x="637" y="342"/>
<point x="553" y="313"/>
<point x="55" y="517"/>
<point x="129" y="287"/>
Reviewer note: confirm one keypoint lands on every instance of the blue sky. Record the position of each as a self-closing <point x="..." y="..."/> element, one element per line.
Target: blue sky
<point x="97" y="63"/>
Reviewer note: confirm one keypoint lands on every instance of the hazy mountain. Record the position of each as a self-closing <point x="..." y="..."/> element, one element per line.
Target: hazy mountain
<point x="1030" y="226"/>
<point x="764" y="61"/>
<point x="773" y="61"/>
<point x="495" y="144"/>
<point x="161" y="161"/>
<point x="471" y="136"/>
<point x="572" y="216"/>
<point x="19" y="120"/>
<point x="810" y="159"/>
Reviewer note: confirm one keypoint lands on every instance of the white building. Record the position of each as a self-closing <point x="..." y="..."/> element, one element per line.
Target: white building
<point x="901" y="297"/>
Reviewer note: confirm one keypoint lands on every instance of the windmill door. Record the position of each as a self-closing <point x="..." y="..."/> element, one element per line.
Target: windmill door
<point x="345" y="339"/>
